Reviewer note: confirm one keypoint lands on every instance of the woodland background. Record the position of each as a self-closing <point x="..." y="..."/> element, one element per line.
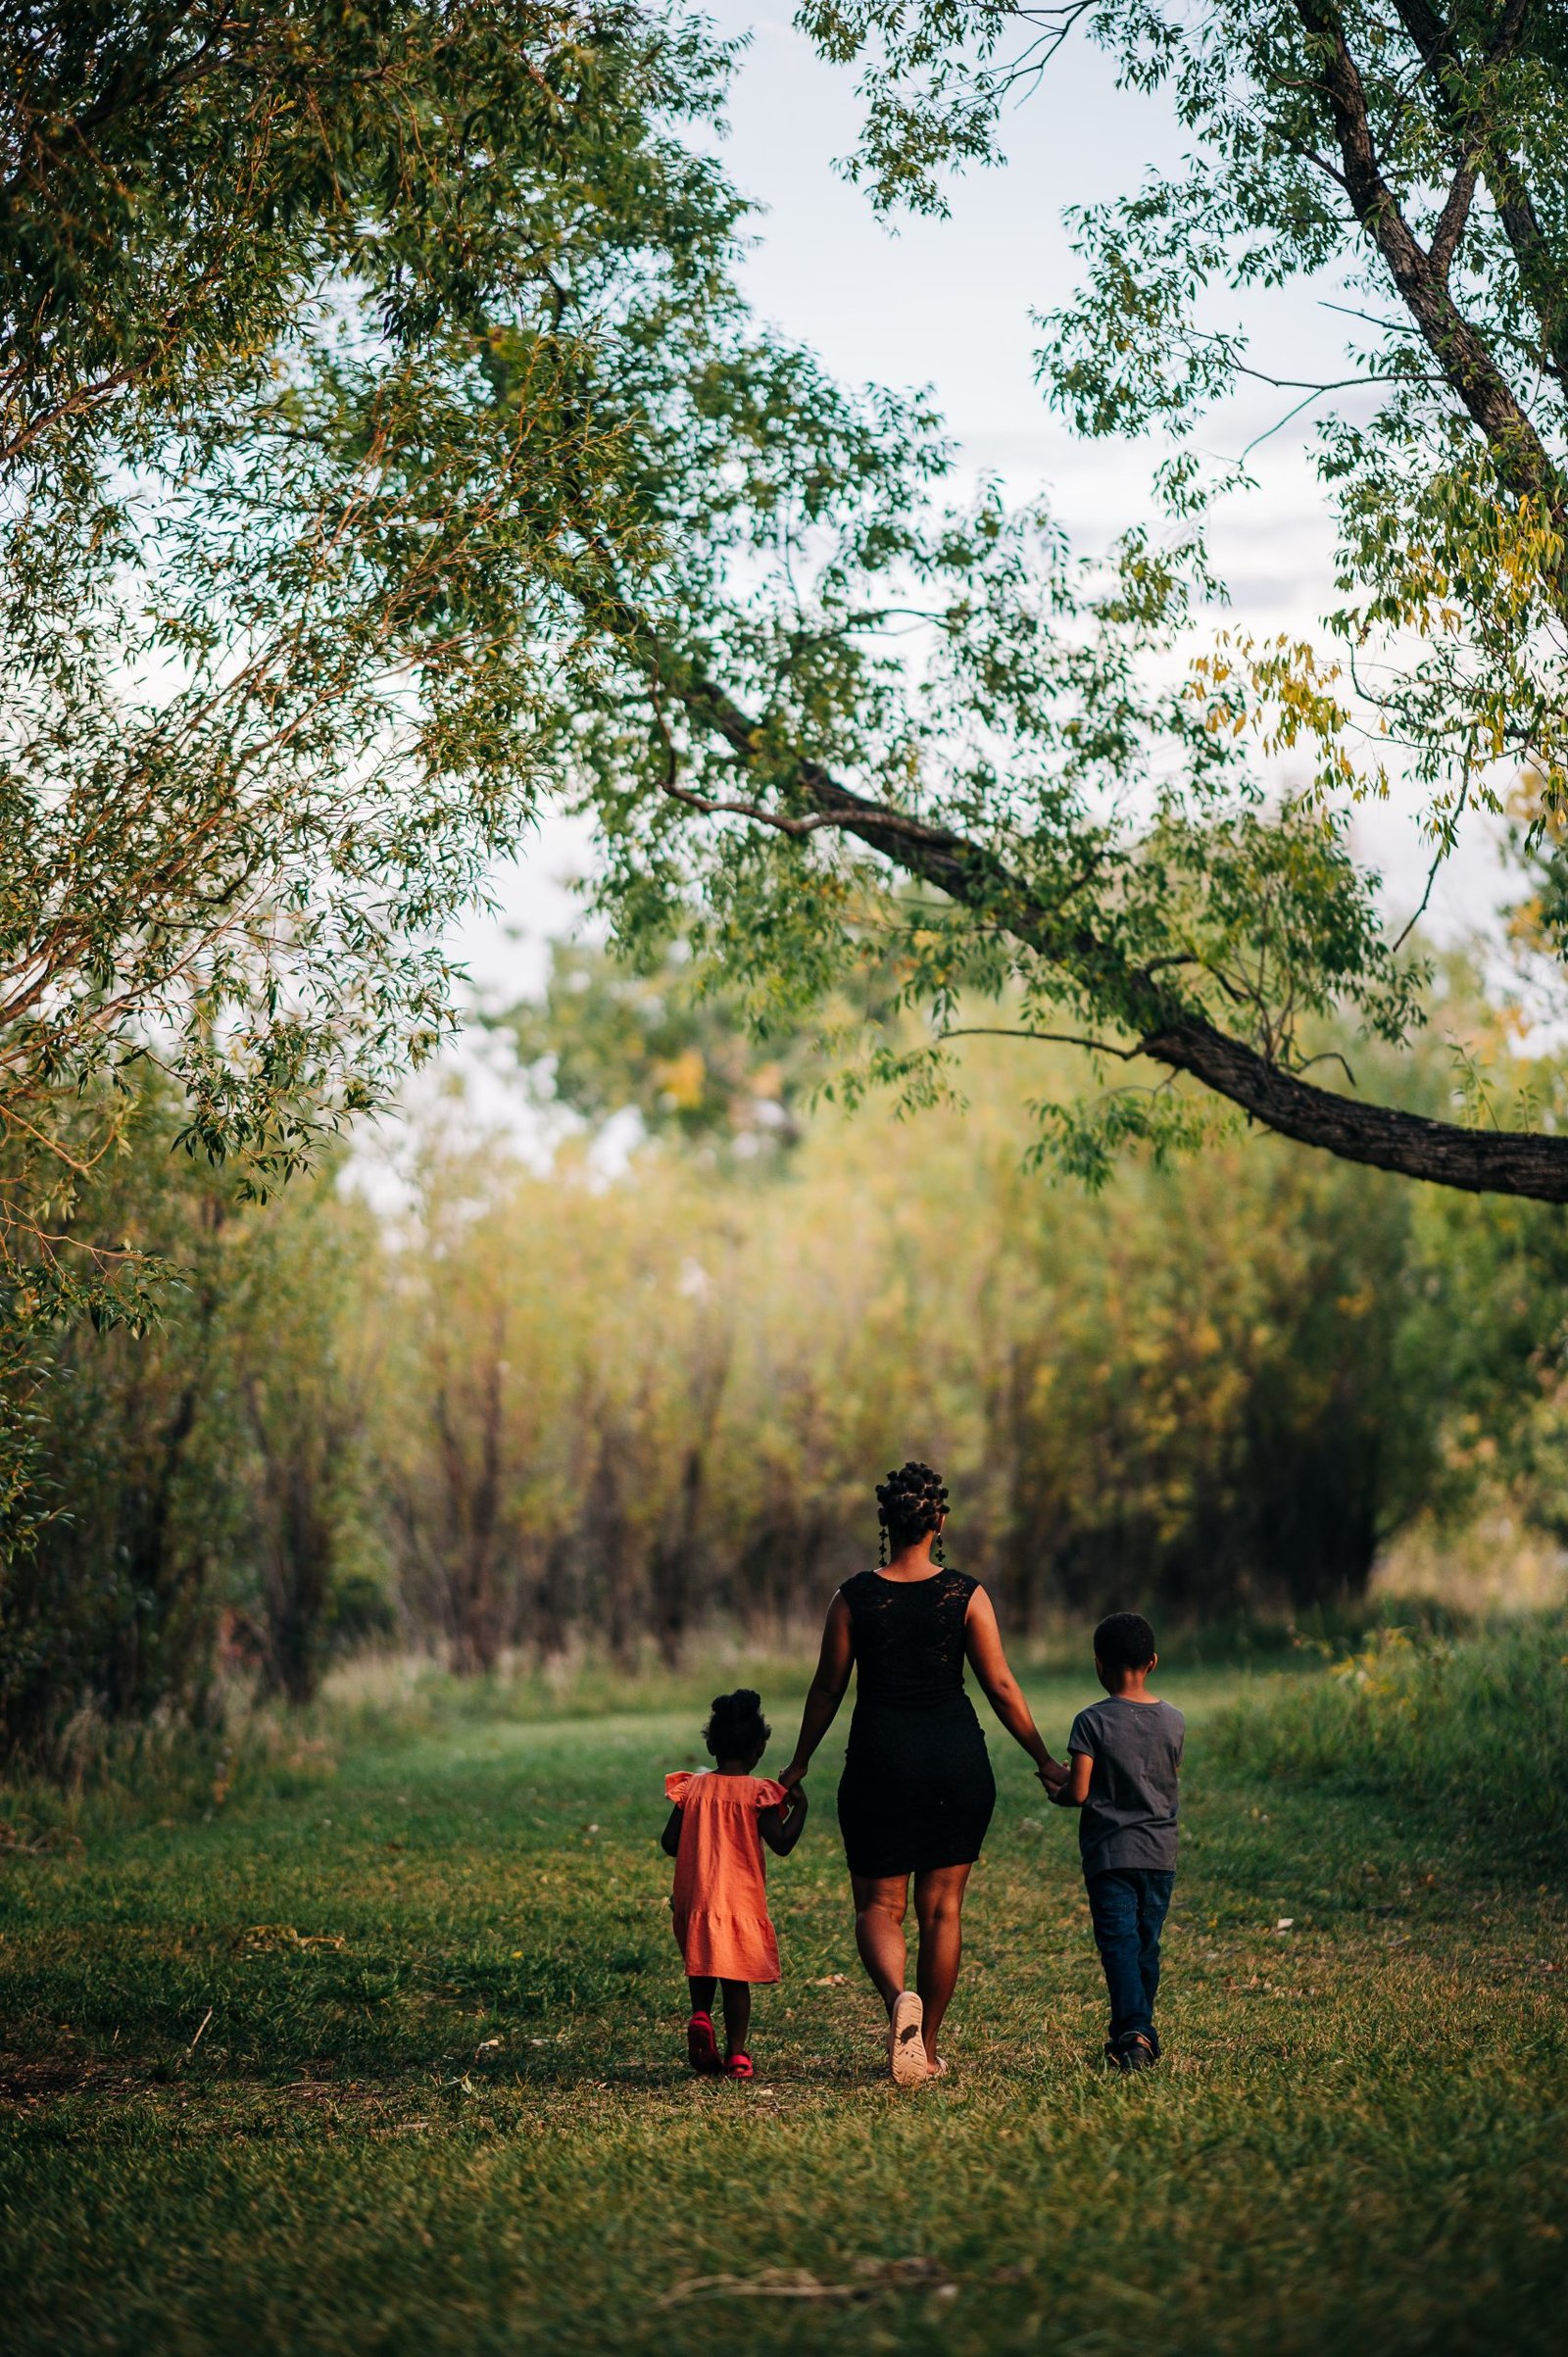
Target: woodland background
<point x="392" y="456"/>
<point x="619" y="1395"/>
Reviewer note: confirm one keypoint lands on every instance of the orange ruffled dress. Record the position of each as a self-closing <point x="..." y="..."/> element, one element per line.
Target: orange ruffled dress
<point x="720" y="1900"/>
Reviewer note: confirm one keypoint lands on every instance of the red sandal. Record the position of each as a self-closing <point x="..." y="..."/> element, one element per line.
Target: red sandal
<point x="738" y="2066"/>
<point x="701" y="2051"/>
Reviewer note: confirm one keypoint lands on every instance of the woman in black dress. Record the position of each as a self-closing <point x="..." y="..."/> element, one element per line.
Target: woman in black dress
<point x="918" y="1791"/>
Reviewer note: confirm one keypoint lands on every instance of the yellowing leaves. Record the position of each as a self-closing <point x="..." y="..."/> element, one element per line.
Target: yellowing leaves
<point x="680" y="1080"/>
<point x="1287" y="694"/>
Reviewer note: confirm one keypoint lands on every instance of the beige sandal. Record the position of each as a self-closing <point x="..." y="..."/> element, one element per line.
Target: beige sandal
<point x="905" y="2044"/>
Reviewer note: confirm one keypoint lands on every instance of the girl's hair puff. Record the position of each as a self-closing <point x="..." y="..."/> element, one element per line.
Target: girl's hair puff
<point x="736" y="1727"/>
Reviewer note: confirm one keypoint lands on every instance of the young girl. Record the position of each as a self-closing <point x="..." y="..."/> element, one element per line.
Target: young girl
<point x="716" y="1833"/>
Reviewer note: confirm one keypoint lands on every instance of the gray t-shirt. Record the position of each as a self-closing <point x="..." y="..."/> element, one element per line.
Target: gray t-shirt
<point x="1129" y="1818"/>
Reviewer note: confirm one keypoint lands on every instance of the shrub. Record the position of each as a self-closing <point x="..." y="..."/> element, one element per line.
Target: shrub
<point x="1476" y="1726"/>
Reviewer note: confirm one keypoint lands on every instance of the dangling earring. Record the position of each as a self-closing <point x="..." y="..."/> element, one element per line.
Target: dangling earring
<point x="937" y="1555"/>
<point x="882" y="1546"/>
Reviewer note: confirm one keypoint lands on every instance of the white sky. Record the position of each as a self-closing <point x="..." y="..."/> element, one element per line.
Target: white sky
<point x="948" y="303"/>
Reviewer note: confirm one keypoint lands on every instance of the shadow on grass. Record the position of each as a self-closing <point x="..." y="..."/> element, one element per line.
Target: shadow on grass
<point x="34" y="2082"/>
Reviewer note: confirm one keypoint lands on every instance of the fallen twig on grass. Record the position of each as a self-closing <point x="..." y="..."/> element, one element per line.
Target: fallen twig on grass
<point x="872" y="2276"/>
<point x="258" y="1937"/>
<point x="774" y="2283"/>
<point x="15" y="1843"/>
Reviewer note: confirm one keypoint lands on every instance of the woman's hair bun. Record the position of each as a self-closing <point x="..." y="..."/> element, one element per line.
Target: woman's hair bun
<point x="911" y="1501"/>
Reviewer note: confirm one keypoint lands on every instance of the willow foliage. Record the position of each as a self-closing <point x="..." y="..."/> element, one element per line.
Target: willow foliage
<point x="285" y="566"/>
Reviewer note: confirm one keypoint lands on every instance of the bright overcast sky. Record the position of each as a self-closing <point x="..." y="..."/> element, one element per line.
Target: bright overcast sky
<point x="949" y="304"/>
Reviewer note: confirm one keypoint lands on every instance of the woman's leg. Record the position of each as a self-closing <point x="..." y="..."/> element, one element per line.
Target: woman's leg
<point x="939" y="1911"/>
<point x="880" y="1900"/>
<point x="737" y="2015"/>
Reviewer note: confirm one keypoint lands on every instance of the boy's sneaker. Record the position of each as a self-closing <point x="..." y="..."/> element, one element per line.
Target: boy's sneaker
<point x="1134" y="2053"/>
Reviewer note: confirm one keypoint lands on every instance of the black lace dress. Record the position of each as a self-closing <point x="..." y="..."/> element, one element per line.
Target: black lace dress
<point x="917" y="1789"/>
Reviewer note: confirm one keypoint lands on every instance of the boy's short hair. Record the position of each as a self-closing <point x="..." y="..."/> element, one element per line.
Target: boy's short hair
<point x="1124" y="1641"/>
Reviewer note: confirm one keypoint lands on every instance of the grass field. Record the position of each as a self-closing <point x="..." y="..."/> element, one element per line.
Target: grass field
<point x="387" y="2059"/>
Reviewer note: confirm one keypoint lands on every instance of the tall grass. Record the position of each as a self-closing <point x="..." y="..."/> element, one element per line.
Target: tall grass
<point x="102" y="1774"/>
<point x="1476" y="1726"/>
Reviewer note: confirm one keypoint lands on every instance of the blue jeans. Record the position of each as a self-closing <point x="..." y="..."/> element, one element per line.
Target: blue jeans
<point x="1128" y="1905"/>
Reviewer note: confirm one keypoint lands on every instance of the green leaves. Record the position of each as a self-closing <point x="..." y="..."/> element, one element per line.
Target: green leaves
<point x="1420" y="157"/>
<point x="324" y="334"/>
<point x="309" y="325"/>
<point x="389" y="450"/>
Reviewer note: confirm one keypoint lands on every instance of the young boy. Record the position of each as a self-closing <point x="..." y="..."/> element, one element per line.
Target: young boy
<point x="1124" y="1755"/>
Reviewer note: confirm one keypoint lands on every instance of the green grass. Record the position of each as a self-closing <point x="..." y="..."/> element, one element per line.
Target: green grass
<point x="438" y="2102"/>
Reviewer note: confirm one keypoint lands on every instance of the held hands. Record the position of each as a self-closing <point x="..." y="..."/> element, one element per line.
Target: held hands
<point x="793" y="1775"/>
<point x="1053" y="1775"/>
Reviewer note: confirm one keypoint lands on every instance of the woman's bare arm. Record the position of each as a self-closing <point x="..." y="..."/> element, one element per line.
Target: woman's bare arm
<point x="982" y="1641"/>
<point x="826" y="1690"/>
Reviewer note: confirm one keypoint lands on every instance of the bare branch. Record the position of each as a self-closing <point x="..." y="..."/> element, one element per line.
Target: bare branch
<point x="1453" y="219"/>
<point x="1328" y="1056"/>
<point x="1439" y="856"/>
<point x="1060" y="1039"/>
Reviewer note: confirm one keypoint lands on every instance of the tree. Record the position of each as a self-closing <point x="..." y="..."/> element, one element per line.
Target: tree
<point x="299" y="1374"/>
<point x="130" y="1498"/>
<point x="666" y="1039"/>
<point x="1076" y="838"/>
<point x="286" y="594"/>
<point x="628" y="1409"/>
<point x="202" y="1490"/>
<point x="385" y="439"/>
<point x="280" y="579"/>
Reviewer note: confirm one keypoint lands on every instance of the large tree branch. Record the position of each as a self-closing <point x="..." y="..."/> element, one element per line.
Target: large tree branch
<point x="1454" y="216"/>
<point x="1166" y="1029"/>
<point x="1466" y="116"/>
<point x="1460" y="353"/>
<point x="1478" y="1161"/>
